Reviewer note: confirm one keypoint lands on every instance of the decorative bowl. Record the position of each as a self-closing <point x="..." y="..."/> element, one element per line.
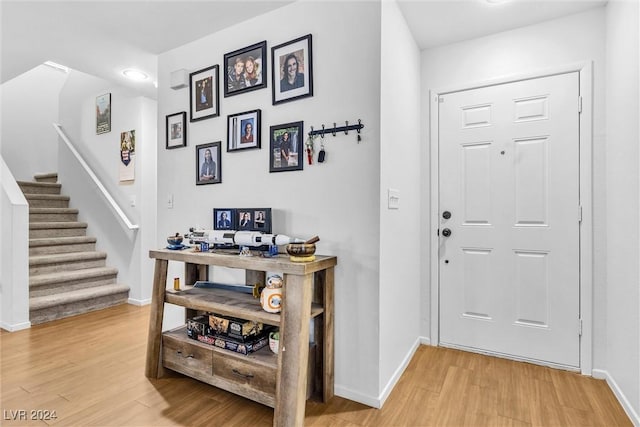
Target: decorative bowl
<point x="175" y="240"/>
<point x="274" y="341"/>
<point x="301" y="249"/>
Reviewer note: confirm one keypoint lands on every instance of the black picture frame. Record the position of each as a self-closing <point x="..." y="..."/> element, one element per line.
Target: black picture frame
<point x="243" y="130"/>
<point x="211" y="174"/>
<point x="204" y="93"/>
<point x="176" y="130"/>
<point x="103" y="113"/>
<point x="298" y="86"/>
<point x="257" y="219"/>
<point x="224" y="218"/>
<point x="285" y="146"/>
<point x="237" y="78"/>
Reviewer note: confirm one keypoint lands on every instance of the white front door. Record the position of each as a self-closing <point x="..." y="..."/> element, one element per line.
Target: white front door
<point x="509" y="177"/>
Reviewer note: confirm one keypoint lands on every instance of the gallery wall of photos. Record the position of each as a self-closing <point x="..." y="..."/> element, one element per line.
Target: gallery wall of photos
<point x="241" y="72"/>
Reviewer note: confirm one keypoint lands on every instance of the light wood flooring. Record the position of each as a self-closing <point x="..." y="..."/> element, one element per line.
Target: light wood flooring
<point x="89" y="369"/>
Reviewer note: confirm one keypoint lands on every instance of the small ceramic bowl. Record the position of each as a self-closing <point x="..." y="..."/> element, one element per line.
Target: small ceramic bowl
<point x="301" y="249"/>
<point x="175" y="240"/>
<point x="274" y="341"/>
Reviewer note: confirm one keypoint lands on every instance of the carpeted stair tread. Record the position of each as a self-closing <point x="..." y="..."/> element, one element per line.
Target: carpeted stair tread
<point x="62" y="258"/>
<point x="39" y="303"/>
<point x="46" y="177"/>
<point x="53" y="210"/>
<point x="39" y="187"/>
<point x="29" y="196"/>
<point x="54" y="241"/>
<point x="56" y="224"/>
<point x="68" y="276"/>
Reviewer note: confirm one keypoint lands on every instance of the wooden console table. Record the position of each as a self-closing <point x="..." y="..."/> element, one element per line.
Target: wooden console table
<point x="278" y="380"/>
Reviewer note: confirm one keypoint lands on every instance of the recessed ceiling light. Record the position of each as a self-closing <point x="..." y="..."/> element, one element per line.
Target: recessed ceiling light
<point x="135" y="74"/>
<point x="59" y="67"/>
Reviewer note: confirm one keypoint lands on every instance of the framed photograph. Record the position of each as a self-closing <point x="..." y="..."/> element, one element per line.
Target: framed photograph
<point x="244" y="69"/>
<point x="292" y="70"/>
<point x="286" y="147"/>
<point x="204" y="93"/>
<point x="103" y="113"/>
<point x="176" y="130"/>
<point x="261" y="219"/>
<point x="208" y="167"/>
<point x="224" y="218"/>
<point x="243" y="130"/>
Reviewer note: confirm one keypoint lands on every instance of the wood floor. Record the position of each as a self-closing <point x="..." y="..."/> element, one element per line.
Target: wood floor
<point x="88" y="370"/>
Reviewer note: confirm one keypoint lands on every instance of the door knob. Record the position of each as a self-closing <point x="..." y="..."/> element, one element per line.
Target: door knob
<point x="446" y="214"/>
<point x="446" y="232"/>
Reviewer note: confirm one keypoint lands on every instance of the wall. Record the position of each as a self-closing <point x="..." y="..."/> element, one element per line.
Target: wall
<point x="30" y="105"/>
<point x="400" y="229"/>
<point x="573" y="39"/>
<point x="14" y="251"/>
<point x="337" y="200"/>
<point x="127" y="250"/>
<point x="623" y="189"/>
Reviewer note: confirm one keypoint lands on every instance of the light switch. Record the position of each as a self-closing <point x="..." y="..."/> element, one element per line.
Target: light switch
<point x="170" y="201"/>
<point x="393" y="198"/>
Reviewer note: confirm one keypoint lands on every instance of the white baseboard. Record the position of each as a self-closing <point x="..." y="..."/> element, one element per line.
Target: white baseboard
<point x="601" y="374"/>
<point x="15" y="327"/>
<point x="357" y="396"/>
<point x="139" y="302"/>
<point x="377" y="402"/>
<point x="386" y="391"/>
<point x="425" y="340"/>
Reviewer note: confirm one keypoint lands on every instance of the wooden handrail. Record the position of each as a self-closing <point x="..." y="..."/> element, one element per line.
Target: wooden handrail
<point x="95" y="179"/>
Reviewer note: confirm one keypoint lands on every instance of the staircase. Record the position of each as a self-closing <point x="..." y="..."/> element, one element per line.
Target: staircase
<point x="67" y="276"/>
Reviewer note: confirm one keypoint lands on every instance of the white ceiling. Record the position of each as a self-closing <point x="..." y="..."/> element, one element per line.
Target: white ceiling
<point x="104" y="37"/>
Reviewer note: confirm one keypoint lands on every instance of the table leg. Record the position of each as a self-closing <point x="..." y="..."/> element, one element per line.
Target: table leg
<point x="291" y="384"/>
<point x="153" y="367"/>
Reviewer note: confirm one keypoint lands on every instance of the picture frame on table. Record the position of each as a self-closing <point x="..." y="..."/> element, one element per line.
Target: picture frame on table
<point x="292" y="70"/>
<point x="243" y="130"/>
<point x="208" y="163"/>
<point x="176" y="130"/>
<point x="245" y="69"/>
<point x="224" y="218"/>
<point x="204" y="93"/>
<point x="285" y="147"/>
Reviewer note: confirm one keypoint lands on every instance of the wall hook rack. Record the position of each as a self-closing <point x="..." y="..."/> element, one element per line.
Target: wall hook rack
<point x="346" y="128"/>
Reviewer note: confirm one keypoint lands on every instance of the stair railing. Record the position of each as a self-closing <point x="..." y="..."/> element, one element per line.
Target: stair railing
<point x="96" y="180"/>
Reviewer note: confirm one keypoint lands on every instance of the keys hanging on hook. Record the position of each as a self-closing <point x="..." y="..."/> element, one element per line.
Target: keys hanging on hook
<point x="309" y="145"/>
<point x="321" y="153"/>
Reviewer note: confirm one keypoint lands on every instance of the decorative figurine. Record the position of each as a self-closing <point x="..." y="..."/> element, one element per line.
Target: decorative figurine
<point x="271" y="296"/>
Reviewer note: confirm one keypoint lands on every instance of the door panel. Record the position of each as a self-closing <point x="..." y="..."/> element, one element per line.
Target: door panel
<point x="509" y="173"/>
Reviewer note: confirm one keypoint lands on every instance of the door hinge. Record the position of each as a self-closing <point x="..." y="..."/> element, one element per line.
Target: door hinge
<point x="579" y="213"/>
<point x="438" y="232"/>
<point x="579" y="105"/>
<point x="579" y="327"/>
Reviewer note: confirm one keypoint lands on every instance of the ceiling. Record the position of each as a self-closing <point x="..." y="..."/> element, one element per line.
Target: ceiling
<point x="104" y="37"/>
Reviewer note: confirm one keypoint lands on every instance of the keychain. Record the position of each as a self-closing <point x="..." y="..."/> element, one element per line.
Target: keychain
<point x="321" y="153"/>
<point x="309" y="145"/>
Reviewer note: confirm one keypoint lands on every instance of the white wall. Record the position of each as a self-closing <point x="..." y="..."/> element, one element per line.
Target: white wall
<point x="14" y="262"/>
<point x="623" y="189"/>
<point x="400" y="230"/>
<point x="127" y="250"/>
<point x="30" y="105"/>
<point x="338" y="200"/>
<point x="573" y="39"/>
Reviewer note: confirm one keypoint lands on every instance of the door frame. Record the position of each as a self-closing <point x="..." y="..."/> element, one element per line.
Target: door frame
<point x="585" y="75"/>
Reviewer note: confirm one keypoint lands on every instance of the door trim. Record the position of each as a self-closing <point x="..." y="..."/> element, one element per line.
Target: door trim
<point x="585" y="73"/>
